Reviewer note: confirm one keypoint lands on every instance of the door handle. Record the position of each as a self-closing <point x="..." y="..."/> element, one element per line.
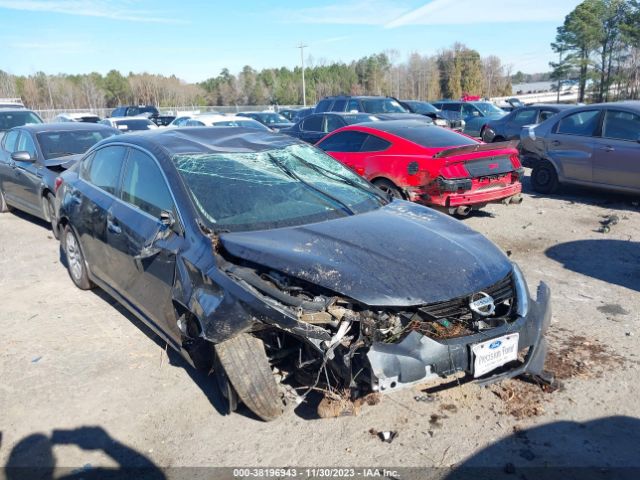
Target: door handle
<point x="555" y="143"/>
<point x="113" y="227"/>
<point x="608" y="148"/>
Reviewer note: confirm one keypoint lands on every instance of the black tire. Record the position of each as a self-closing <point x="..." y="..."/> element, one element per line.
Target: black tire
<point x="497" y="139"/>
<point x="49" y="203"/>
<point x="4" y="207"/>
<point x="389" y="188"/>
<point x="76" y="264"/>
<point x="544" y="178"/>
<point x="245" y="364"/>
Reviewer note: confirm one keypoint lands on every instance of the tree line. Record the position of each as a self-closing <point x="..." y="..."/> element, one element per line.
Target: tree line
<point x="598" y="45"/>
<point x="449" y="74"/>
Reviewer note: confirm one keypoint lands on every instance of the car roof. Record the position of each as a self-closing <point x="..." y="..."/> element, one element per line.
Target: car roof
<point x="63" y="127"/>
<point x="559" y="106"/>
<point x="463" y="101"/>
<point x="15" y="110"/>
<point x="395" y="127"/>
<point x="202" y="140"/>
<point x="77" y="114"/>
<point x="357" y="96"/>
<point x="209" y="116"/>
<point x="128" y="119"/>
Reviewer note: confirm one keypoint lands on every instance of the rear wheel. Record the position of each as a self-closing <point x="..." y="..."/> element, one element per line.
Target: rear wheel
<point x="544" y="178"/>
<point x="389" y="188"/>
<point x="245" y="371"/>
<point x="51" y="214"/>
<point x="4" y="207"/>
<point x="75" y="260"/>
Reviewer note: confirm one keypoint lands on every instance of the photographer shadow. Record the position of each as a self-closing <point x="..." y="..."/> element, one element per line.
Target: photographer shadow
<point x="32" y="458"/>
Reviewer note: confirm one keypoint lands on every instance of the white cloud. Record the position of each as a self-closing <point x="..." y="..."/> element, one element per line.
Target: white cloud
<point x="356" y="12"/>
<point x="458" y="12"/>
<point x="115" y="10"/>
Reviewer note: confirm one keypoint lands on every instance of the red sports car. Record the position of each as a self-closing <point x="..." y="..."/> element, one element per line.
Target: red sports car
<point x="429" y="164"/>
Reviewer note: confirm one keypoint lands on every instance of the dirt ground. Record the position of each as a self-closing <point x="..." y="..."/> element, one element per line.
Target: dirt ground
<point x="82" y="383"/>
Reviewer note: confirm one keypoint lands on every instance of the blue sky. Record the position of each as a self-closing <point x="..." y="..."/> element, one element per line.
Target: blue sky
<point x="195" y="39"/>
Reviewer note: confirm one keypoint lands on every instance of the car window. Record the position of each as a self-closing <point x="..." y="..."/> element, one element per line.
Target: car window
<point x="244" y="191"/>
<point x="525" y="117"/>
<point x="353" y="106"/>
<point x="194" y="123"/>
<point x="621" y="125"/>
<point x="374" y="143"/>
<point x="132" y="111"/>
<point x="144" y="186"/>
<point x="451" y="107"/>
<point x="135" y="124"/>
<point x="104" y="169"/>
<point x="26" y="144"/>
<point x="323" y="105"/>
<point x="382" y="105"/>
<point x="312" y="123"/>
<point x="580" y="123"/>
<point x="339" y="105"/>
<point x="546" y="114"/>
<point x="17" y="119"/>
<point x="10" y="140"/>
<point x="344" y="142"/>
<point x="470" y="110"/>
<point x="58" y="144"/>
<point x="85" y="165"/>
<point x="333" y="123"/>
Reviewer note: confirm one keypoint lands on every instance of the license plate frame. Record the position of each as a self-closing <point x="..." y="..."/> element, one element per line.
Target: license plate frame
<point x="494" y="353"/>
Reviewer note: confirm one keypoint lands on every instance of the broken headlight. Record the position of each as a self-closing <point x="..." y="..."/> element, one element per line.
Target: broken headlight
<point x="522" y="292"/>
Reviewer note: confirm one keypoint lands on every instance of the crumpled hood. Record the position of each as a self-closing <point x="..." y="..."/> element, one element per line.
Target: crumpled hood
<point x="402" y="254"/>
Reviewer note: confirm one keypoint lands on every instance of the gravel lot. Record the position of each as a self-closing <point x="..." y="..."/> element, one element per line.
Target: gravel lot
<point x="71" y="360"/>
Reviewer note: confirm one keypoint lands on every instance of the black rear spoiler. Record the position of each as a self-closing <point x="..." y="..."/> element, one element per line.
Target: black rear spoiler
<point x="478" y="147"/>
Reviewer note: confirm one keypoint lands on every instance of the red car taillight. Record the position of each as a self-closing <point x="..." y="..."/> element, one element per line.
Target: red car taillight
<point x="57" y="184"/>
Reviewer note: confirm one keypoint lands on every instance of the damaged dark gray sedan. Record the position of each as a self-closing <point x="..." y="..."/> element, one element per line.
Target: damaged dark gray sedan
<point x="263" y="260"/>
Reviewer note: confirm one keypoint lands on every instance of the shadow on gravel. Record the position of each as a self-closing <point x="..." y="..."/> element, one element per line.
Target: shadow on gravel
<point x="600" y="449"/>
<point x="587" y="196"/>
<point x="33" y="457"/>
<point x="612" y="261"/>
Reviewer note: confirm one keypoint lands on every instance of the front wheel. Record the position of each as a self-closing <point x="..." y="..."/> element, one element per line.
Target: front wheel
<point x="75" y="260"/>
<point x="389" y="188"/>
<point x="244" y="371"/>
<point x="544" y="178"/>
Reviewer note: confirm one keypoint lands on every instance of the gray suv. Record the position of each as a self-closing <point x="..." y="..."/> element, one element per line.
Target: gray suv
<point x="596" y="145"/>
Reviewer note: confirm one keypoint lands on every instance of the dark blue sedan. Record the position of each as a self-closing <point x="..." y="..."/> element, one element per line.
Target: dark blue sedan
<point x="246" y="250"/>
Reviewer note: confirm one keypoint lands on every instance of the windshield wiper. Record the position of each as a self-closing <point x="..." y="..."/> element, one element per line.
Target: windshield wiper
<point x="348" y="181"/>
<point x="295" y="176"/>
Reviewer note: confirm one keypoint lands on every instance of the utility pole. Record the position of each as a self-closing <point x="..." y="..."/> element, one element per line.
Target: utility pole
<point x="304" y="90"/>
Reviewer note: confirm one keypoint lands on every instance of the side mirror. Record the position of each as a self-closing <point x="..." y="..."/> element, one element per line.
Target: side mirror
<point x="22" y="156"/>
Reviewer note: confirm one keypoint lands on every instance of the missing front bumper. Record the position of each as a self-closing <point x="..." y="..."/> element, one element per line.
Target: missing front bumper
<point x="418" y="358"/>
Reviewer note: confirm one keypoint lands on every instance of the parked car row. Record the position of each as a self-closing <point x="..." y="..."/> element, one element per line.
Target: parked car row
<point x="246" y="249"/>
